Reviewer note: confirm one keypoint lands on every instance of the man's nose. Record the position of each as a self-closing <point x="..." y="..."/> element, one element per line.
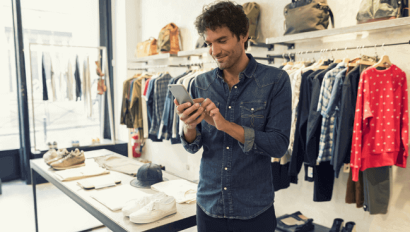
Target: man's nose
<point x="215" y="50"/>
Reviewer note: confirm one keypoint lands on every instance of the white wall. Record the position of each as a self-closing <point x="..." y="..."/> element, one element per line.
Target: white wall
<point x="145" y="18"/>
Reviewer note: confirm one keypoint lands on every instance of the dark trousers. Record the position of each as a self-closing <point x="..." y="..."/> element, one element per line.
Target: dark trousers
<point x="265" y="222"/>
<point x="324" y="177"/>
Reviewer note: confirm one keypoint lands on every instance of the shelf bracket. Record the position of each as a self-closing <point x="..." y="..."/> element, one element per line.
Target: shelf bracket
<point x="262" y="45"/>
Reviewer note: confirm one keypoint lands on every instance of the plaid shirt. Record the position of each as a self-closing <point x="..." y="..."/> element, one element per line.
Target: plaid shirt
<point x="326" y="134"/>
<point x="160" y="92"/>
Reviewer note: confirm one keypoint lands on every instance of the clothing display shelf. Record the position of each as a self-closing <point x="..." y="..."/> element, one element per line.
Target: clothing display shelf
<point x="154" y="57"/>
<point x="385" y="25"/>
<point x="197" y="52"/>
<point x="38" y="47"/>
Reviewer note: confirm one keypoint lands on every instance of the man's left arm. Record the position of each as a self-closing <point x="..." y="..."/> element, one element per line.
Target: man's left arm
<point x="274" y="140"/>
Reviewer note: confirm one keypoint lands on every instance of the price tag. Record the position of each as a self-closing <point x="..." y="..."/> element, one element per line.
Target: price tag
<point x="346" y="168"/>
<point x="310" y="172"/>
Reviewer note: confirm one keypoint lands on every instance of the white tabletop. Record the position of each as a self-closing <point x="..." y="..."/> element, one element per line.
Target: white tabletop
<point x="81" y="196"/>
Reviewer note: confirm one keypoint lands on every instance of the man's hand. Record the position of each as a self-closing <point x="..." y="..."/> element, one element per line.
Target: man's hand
<point x="213" y="112"/>
<point x="187" y="115"/>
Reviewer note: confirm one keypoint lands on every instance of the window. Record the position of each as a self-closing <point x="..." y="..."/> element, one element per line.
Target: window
<point x="63" y="118"/>
<point x="9" y="127"/>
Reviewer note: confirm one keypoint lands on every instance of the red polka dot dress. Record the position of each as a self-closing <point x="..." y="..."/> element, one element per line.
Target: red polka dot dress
<point x="380" y="130"/>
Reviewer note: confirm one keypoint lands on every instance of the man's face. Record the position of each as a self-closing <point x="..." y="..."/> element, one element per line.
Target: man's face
<point x="224" y="46"/>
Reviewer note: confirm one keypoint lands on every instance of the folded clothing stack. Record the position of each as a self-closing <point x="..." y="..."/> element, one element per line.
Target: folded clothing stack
<point x="183" y="191"/>
<point x="295" y="222"/>
<point x="118" y="163"/>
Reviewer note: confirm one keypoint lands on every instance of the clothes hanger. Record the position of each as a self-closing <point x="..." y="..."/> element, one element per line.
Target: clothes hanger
<point x="337" y="60"/>
<point x="384" y="61"/>
<point x="283" y="56"/>
<point x="362" y="62"/>
<point x="346" y="59"/>
<point x="323" y="65"/>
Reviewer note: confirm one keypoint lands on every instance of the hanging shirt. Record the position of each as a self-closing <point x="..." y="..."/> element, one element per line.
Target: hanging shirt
<point x="314" y="119"/>
<point x="380" y="135"/>
<point x="77" y="78"/>
<point x="70" y="82"/>
<point x="326" y="131"/>
<point x="44" y="79"/>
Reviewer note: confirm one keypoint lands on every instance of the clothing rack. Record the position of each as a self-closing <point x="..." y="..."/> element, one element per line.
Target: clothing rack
<point x="292" y="55"/>
<point x="104" y="66"/>
<point x="188" y="65"/>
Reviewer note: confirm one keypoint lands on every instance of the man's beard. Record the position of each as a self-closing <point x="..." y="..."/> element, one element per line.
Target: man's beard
<point x="229" y="62"/>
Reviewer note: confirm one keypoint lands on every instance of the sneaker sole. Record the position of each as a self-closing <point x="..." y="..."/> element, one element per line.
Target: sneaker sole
<point x="73" y="166"/>
<point x="150" y="220"/>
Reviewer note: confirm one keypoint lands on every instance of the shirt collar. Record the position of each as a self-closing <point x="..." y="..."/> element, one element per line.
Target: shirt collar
<point x="248" y="72"/>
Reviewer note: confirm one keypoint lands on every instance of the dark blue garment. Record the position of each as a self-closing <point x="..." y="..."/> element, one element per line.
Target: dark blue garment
<point x="168" y="114"/>
<point x="298" y="152"/>
<point x="150" y="108"/>
<point x="235" y="180"/>
<point x="266" y="222"/>
<point x="44" y="79"/>
<point x="78" y="92"/>
<point x="343" y="143"/>
<point x="314" y="119"/>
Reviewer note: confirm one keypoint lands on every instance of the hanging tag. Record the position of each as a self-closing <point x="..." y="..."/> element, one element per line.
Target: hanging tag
<point x="310" y="172"/>
<point x="346" y="168"/>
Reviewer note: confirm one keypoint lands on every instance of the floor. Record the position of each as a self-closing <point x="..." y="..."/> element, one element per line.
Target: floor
<point x="56" y="211"/>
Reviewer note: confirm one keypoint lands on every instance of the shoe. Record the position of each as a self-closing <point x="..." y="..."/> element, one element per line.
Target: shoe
<point x="61" y="153"/>
<point x="349" y="227"/>
<point x="155" y="210"/>
<point x="135" y="205"/>
<point x="337" y="225"/>
<point x="75" y="143"/>
<point x="74" y="159"/>
<point x="51" y="154"/>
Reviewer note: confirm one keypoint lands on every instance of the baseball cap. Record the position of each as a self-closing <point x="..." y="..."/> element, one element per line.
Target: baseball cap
<point x="147" y="175"/>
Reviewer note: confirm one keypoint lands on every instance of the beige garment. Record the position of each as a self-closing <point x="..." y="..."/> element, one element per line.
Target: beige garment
<point x="80" y="173"/>
<point x="70" y="82"/>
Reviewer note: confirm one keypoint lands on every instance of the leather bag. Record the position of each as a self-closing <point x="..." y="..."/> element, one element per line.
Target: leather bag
<point x="169" y="39"/>
<point x="307" y="15"/>
<point x="377" y="10"/>
<point x="252" y="11"/>
<point x="147" y="48"/>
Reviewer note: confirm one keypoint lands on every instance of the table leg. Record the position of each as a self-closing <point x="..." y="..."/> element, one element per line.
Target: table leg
<point x="33" y="183"/>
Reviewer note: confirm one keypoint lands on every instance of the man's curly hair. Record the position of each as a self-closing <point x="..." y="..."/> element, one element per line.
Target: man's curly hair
<point x="220" y="14"/>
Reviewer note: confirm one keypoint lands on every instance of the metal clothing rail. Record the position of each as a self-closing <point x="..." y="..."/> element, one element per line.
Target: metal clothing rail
<point x="188" y="65"/>
<point x="346" y="48"/>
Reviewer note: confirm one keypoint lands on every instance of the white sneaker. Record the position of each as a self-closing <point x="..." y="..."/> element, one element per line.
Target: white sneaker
<point x="155" y="210"/>
<point x="135" y="205"/>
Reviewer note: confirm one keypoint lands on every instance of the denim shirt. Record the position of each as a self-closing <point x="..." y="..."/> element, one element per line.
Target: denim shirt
<point x="235" y="180"/>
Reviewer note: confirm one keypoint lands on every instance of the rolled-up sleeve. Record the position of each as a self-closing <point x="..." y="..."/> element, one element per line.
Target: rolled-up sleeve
<point x="195" y="145"/>
<point x="273" y="141"/>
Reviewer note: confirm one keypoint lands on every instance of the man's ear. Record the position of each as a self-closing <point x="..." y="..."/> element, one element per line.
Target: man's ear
<point x="245" y="38"/>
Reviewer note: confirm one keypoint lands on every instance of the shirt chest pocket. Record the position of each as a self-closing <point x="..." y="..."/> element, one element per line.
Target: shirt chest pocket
<point x="253" y="114"/>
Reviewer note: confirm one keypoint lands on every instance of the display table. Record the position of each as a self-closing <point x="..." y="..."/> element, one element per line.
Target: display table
<point x="114" y="220"/>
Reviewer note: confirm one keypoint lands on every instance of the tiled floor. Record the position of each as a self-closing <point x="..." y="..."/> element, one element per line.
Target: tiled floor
<point x="56" y="211"/>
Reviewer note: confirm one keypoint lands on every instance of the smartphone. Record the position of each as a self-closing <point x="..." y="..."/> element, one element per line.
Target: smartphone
<point x="180" y="93"/>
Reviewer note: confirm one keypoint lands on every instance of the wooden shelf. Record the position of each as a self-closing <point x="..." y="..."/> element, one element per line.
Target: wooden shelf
<point x="196" y="52"/>
<point x="154" y="57"/>
<point x="375" y="26"/>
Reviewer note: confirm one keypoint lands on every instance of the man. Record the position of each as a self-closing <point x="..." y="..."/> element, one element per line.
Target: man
<point x="242" y="119"/>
